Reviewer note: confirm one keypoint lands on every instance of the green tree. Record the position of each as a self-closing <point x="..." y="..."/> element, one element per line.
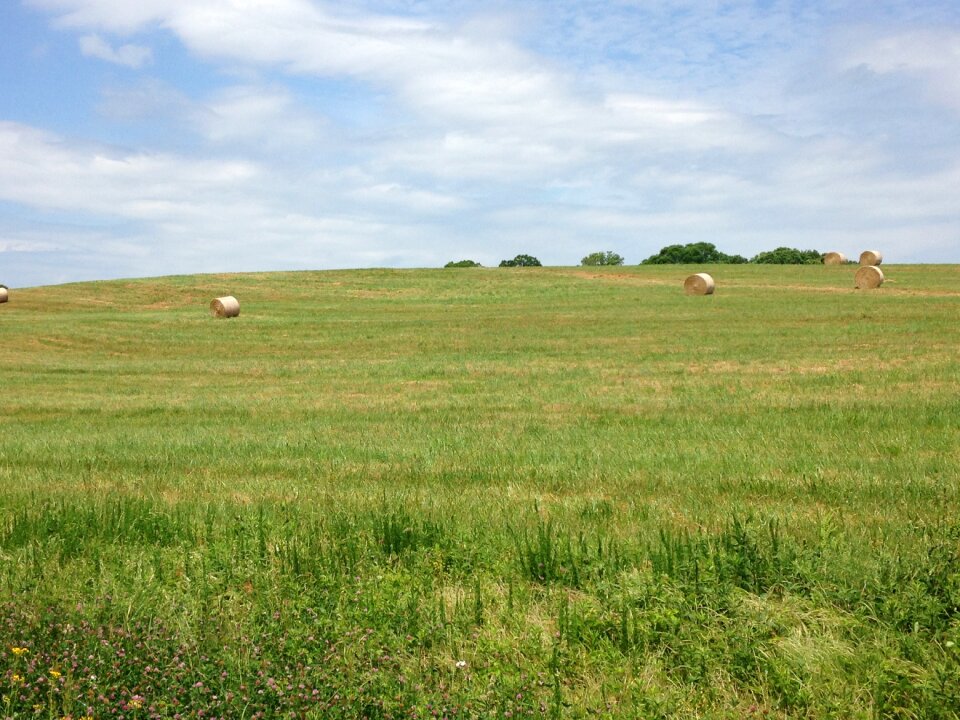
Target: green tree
<point x="462" y="263"/>
<point x="788" y="256"/>
<point x="692" y="253"/>
<point x="521" y="261"/>
<point x="605" y="257"/>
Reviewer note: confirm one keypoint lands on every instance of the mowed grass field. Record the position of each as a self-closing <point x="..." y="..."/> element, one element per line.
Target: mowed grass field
<point x="560" y="492"/>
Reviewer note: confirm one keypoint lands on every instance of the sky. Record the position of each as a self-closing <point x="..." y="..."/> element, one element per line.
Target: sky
<point x="164" y="137"/>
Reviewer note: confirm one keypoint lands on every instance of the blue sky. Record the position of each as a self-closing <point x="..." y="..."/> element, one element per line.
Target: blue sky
<point x="165" y="136"/>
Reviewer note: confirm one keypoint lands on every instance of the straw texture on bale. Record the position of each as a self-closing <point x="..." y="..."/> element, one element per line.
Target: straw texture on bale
<point x="4" y="295"/>
<point x="868" y="277"/>
<point x="225" y="307"/>
<point x="699" y="284"/>
<point x="834" y="258"/>
<point x="871" y="257"/>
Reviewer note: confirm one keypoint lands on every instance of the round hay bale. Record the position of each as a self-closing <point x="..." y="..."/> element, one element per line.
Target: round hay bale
<point x="871" y="257"/>
<point x="834" y="258"/>
<point x="225" y="307"/>
<point x="4" y="295"/>
<point x="868" y="277"/>
<point x="699" y="284"/>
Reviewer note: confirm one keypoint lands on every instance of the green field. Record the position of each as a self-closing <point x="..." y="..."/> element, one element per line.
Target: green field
<point x="560" y="492"/>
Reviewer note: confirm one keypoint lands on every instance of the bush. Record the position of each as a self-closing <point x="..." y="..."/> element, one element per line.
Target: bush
<point x="692" y="253"/>
<point x="521" y="261"/>
<point x="602" y="258"/>
<point x="788" y="256"/>
<point x="462" y="263"/>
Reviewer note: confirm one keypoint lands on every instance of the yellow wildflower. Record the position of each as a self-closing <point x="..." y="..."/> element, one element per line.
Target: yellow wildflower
<point x="18" y="651"/>
<point x="54" y="674"/>
<point x="17" y="678"/>
<point x="136" y="703"/>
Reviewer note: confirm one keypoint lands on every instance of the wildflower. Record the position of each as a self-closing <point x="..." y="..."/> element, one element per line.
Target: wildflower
<point x="17" y="678"/>
<point x="18" y="651"/>
<point x="136" y="702"/>
<point x="54" y="673"/>
<point x="461" y="663"/>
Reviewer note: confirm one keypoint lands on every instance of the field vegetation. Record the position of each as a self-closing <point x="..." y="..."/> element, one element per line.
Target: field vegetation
<point x="566" y="492"/>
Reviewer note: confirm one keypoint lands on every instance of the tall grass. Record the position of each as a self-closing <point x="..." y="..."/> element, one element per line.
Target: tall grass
<point x="475" y="493"/>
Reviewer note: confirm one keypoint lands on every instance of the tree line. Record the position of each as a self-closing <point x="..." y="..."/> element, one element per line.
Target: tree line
<point x="698" y="253"/>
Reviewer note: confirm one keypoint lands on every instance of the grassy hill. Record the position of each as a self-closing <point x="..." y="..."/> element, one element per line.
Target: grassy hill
<point x="483" y="492"/>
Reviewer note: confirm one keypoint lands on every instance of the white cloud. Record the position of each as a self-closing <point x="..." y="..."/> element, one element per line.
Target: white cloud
<point x="395" y="195"/>
<point x="454" y="81"/>
<point x="256" y="119"/>
<point x="40" y="169"/>
<point x="269" y="116"/>
<point x="163" y="213"/>
<point x="133" y="56"/>
<point x="932" y="56"/>
<point x="112" y="15"/>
